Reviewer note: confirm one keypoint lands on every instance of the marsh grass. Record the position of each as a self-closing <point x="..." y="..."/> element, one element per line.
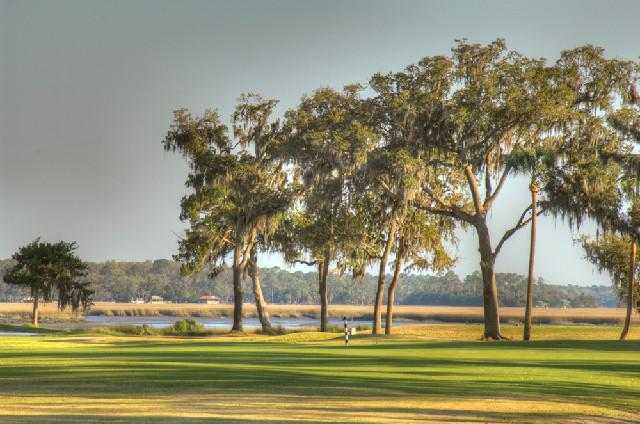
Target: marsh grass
<point x="361" y="312"/>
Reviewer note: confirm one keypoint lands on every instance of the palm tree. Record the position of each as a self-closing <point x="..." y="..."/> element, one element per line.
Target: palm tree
<point x="534" y="189"/>
<point x="630" y="290"/>
<point x="535" y="161"/>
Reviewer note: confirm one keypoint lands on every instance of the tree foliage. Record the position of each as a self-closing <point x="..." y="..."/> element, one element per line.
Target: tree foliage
<point x="358" y="177"/>
<point x="610" y="253"/>
<point x="51" y="271"/>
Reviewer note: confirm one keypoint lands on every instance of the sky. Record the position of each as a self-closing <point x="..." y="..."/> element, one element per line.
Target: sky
<point x="87" y="89"/>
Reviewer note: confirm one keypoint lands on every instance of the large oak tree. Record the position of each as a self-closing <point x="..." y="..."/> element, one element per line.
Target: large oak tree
<point x="463" y="114"/>
<point x="237" y="193"/>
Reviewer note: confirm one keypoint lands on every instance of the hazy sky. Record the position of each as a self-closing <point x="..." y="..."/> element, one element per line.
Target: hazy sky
<point x="87" y="89"/>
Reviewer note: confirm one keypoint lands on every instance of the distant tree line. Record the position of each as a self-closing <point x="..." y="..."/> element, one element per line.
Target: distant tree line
<point x="126" y="281"/>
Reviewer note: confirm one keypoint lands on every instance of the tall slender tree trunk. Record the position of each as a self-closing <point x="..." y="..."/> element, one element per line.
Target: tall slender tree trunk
<point x="490" y="290"/>
<point x="532" y="254"/>
<point x="261" y="304"/>
<point x="35" y="312"/>
<point x="237" y="287"/>
<point x="323" y="270"/>
<point x="632" y="278"/>
<point x="377" y="306"/>
<point x="391" y="293"/>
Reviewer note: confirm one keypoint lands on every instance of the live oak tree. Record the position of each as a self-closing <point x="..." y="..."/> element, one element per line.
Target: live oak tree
<point x="616" y="254"/>
<point x="326" y="141"/>
<point x="392" y="176"/>
<point x="626" y="122"/>
<point x="466" y="112"/>
<point x="352" y="181"/>
<point x="392" y="179"/>
<point x="615" y="251"/>
<point x="51" y="271"/>
<point x="597" y="177"/>
<point x="395" y="174"/>
<point x="254" y="126"/>
<point x="420" y="245"/>
<point x="385" y="209"/>
<point x="236" y="192"/>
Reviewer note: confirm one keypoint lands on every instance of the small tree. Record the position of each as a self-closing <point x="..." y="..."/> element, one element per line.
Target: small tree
<point x="51" y="270"/>
<point x="421" y="243"/>
<point x="616" y="254"/>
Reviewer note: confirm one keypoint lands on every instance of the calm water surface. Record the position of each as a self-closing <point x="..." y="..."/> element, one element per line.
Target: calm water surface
<point x="215" y="323"/>
<point x="16" y="333"/>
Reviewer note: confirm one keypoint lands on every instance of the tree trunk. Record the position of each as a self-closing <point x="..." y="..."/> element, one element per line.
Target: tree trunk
<point x="323" y="270"/>
<point x="261" y="304"/>
<point x="532" y="254"/>
<point x="632" y="275"/>
<point x="237" y="288"/>
<point x="489" y="291"/>
<point x="377" y="306"/>
<point x="34" y="314"/>
<point x="391" y="293"/>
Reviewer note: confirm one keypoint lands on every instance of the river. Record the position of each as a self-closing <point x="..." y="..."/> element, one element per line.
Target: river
<point x="213" y="323"/>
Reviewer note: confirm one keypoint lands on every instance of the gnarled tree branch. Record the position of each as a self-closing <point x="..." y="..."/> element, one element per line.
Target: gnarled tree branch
<point x="522" y="222"/>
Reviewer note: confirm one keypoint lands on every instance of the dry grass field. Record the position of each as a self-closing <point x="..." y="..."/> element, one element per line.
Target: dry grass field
<point x="418" y="313"/>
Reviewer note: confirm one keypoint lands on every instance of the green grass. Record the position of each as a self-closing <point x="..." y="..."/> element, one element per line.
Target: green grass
<point x="26" y="328"/>
<point x="312" y="377"/>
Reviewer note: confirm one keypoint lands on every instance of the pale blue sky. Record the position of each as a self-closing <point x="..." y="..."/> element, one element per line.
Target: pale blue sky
<point x="87" y="89"/>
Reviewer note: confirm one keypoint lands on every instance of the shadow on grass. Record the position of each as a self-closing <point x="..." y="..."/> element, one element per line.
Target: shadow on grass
<point x="106" y="419"/>
<point x="427" y="415"/>
<point x="138" y="368"/>
<point x="27" y="328"/>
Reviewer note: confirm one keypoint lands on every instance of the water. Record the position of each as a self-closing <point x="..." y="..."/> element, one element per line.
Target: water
<point x="215" y="323"/>
<point x="16" y="333"/>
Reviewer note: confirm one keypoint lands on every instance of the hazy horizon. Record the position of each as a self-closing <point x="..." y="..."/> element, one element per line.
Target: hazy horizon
<point x="87" y="89"/>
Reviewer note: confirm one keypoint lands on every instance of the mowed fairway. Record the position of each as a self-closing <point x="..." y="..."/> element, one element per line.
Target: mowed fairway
<point x="308" y="377"/>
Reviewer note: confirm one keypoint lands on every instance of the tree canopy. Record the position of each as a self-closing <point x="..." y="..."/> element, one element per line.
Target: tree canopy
<point x="51" y="271"/>
<point x="353" y="178"/>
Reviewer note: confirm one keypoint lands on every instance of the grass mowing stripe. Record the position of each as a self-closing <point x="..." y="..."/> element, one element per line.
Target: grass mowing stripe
<point x="268" y="379"/>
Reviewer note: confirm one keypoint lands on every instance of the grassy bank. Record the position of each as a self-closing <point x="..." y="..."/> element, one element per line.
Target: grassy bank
<point x="312" y="378"/>
<point x="21" y="311"/>
<point x="26" y="328"/>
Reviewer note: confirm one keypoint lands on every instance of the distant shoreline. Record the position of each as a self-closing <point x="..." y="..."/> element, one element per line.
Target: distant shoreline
<point x="450" y="314"/>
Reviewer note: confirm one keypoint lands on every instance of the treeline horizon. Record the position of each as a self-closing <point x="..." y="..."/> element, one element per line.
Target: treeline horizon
<point x="125" y="281"/>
